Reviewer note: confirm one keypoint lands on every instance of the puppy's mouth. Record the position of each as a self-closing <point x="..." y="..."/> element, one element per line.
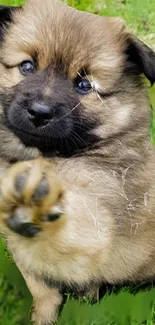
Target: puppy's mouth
<point x="61" y="134"/>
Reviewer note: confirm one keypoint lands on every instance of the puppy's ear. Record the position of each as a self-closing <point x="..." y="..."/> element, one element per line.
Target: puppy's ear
<point x="6" y="16"/>
<point x="141" y="57"/>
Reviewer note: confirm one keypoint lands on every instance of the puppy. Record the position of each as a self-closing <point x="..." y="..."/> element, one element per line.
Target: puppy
<point x="77" y="201"/>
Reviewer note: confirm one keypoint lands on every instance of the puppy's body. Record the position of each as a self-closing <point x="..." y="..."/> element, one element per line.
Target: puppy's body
<point x="96" y="140"/>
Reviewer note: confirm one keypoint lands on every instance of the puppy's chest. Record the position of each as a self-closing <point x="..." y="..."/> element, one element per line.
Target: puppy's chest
<point x="58" y="270"/>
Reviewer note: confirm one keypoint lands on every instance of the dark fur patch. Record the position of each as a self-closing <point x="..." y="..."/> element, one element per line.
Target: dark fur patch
<point x="141" y="57"/>
<point x="6" y="17"/>
<point x="61" y="285"/>
<point x="68" y="132"/>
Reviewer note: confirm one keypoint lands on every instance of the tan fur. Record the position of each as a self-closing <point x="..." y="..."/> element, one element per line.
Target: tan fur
<point x="107" y="229"/>
<point x="43" y="309"/>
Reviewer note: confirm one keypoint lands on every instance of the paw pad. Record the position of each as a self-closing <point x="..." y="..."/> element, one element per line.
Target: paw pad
<point x="41" y="191"/>
<point x="31" y="197"/>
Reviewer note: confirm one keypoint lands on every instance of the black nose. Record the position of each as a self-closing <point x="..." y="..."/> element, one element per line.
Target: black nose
<point x="40" y="114"/>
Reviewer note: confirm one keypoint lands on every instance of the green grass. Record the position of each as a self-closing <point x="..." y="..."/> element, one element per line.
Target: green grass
<point x="13" y="3"/>
<point x="138" y="14"/>
<point x="123" y="308"/>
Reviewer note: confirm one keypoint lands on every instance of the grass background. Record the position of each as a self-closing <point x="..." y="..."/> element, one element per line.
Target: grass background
<point x="121" y="308"/>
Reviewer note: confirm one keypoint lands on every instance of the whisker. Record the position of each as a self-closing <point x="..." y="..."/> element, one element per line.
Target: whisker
<point x="79" y="74"/>
<point x="67" y="145"/>
<point x="81" y="127"/>
<point x="72" y="139"/>
<point x="77" y="136"/>
<point x="98" y="95"/>
<point x="87" y="76"/>
<point x="68" y="113"/>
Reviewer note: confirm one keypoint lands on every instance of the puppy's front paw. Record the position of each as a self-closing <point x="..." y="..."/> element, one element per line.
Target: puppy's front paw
<point x="30" y="197"/>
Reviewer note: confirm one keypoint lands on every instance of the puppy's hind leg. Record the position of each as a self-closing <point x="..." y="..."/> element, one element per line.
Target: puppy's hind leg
<point x="46" y="301"/>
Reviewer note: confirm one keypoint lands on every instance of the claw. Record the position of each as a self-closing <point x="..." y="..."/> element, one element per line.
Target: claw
<point x="53" y="215"/>
<point x="24" y="229"/>
<point x="19" y="223"/>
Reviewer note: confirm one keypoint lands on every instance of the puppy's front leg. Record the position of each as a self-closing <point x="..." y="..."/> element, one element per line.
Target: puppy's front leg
<point x="30" y="205"/>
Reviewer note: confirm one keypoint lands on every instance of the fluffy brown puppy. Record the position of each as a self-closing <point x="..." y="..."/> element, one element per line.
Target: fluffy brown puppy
<point x="72" y="94"/>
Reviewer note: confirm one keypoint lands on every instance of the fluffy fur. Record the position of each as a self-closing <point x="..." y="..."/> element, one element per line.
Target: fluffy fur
<point x="98" y="145"/>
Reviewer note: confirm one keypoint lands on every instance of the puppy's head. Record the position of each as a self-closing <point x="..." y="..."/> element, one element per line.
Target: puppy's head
<point x="69" y="80"/>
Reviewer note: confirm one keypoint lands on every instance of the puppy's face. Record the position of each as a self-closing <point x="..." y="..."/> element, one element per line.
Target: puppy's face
<point x="69" y="80"/>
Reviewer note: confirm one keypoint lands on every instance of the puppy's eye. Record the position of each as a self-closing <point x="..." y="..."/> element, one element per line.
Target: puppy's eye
<point x="26" y="68"/>
<point x="82" y="85"/>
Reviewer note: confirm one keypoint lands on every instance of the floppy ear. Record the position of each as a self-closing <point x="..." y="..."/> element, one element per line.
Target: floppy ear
<point x="142" y="57"/>
<point x="5" y="18"/>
